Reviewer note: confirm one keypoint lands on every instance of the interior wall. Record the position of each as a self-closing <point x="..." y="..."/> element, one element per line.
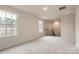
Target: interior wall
<point x="77" y="27"/>
<point x="48" y="27"/>
<point x="68" y="27"/>
<point x="57" y="27"/>
<point x="27" y="27"/>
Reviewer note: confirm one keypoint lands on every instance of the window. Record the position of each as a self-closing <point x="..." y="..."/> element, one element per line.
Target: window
<point x="40" y="23"/>
<point x="7" y="23"/>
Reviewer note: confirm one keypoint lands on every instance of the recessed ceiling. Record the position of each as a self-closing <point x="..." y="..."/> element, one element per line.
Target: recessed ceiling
<point x="47" y="11"/>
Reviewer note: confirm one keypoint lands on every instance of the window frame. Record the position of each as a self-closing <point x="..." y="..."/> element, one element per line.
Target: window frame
<point x="40" y="26"/>
<point x="10" y="28"/>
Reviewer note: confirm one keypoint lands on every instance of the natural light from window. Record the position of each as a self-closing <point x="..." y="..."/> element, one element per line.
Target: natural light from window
<point x="7" y="24"/>
<point x="40" y="23"/>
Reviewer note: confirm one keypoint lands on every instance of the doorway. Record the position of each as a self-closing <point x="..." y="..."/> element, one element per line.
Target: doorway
<point x="53" y="28"/>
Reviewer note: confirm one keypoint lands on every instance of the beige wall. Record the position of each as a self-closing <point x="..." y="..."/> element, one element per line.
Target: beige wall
<point x="77" y="27"/>
<point x="27" y="26"/>
<point x="68" y="27"/>
<point x="48" y="27"/>
<point x="57" y="27"/>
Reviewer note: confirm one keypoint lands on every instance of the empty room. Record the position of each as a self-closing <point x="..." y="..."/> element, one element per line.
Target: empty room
<point x="39" y="29"/>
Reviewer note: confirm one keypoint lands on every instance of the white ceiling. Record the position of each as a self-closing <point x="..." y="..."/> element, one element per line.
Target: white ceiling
<point x="53" y="11"/>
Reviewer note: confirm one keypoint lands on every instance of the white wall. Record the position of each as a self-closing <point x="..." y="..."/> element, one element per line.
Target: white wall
<point x="27" y="26"/>
<point x="77" y="27"/>
<point x="68" y="27"/>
